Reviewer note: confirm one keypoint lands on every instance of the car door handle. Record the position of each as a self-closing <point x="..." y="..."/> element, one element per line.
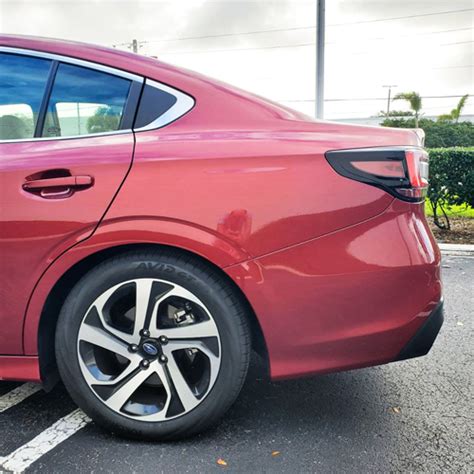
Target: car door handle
<point x="61" y="182"/>
<point x="63" y="186"/>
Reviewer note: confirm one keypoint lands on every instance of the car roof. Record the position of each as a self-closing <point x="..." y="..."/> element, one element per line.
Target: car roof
<point x="124" y="60"/>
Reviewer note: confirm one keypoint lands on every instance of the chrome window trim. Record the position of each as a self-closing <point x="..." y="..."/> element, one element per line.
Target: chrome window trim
<point x="184" y="103"/>
<point x="69" y="137"/>
<point x="74" y="61"/>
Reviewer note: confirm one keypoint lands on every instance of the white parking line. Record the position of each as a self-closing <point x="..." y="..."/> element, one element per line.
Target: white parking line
<point x="30" y="452"/>
<point x="17" y="395"/>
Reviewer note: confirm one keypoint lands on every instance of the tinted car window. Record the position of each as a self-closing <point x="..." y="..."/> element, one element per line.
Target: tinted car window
<point x="23" y="82"/>
<point x="154" y="103"/>
<point x="84" y="101"/>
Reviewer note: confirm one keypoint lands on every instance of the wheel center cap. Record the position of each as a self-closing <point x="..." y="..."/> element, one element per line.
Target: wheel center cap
<point x="150" y="349"/>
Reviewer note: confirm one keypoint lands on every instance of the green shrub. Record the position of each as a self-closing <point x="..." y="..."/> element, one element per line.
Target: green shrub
<point x="451" y="180"/>
<point x="438" y="134"/>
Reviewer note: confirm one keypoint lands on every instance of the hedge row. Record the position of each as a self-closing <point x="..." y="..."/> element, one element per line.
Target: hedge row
<point x="438" y="134"/>
<point x="451" y="180"/>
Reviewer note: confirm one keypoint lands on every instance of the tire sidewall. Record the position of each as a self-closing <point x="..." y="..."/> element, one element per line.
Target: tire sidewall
<point x="205" y="286"/>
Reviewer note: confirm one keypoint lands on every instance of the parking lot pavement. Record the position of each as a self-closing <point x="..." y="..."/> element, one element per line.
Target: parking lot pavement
<point x="415" y="415"/>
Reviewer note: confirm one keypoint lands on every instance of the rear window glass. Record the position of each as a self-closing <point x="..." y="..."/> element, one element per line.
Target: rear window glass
<point x="84" y="101"/>
<point x="153" y="104"/>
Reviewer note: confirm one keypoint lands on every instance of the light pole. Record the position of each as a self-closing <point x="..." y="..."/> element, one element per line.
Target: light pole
<point x="389" y="96"/>
<point x="320" y="33"/>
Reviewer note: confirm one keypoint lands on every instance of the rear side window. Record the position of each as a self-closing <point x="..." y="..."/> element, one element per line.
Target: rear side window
<point x="23" y="83"/>
<point x="153" y="104"/>
<point x="161" y="105"/>
<point x="84" y="101"/>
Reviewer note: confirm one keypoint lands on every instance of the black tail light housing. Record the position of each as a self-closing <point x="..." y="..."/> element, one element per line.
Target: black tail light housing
<point x="400" y="171"/>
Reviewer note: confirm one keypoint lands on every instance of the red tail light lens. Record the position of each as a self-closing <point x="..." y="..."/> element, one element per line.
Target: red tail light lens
<point x="387" y="169"/>
<point x="401" y="171"/>
<point x="417" y="164"/>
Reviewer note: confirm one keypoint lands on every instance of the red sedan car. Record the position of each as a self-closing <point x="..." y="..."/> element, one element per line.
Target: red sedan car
<point x="158" y="225"/>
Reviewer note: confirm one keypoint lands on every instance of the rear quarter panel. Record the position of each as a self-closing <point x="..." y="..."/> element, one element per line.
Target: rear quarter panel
<point x="262" y="191"/>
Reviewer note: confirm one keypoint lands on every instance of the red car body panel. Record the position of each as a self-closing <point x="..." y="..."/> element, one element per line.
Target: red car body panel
<point x="36" y="231"/>
<point x="328" y="264"/>
<point x="21" y="368"/>
<point x="269" y="187"/>
<point x="346" y="299"/>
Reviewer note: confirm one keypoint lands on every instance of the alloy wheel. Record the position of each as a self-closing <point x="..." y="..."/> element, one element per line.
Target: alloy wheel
<point x="149" y="349"/>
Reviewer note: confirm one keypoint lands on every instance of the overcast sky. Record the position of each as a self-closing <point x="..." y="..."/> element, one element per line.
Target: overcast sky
<point x="370" y="43"/>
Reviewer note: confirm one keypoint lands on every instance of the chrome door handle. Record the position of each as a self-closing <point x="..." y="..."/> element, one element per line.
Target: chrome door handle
<point x="59" y="187"/>
<point x="61" y="182"/>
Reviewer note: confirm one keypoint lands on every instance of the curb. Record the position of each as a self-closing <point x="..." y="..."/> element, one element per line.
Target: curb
<point x="457" y="250"/>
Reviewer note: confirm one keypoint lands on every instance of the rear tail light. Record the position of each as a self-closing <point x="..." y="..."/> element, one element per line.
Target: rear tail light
<point x="401" y="171"/>
<point x="417" y="165"/>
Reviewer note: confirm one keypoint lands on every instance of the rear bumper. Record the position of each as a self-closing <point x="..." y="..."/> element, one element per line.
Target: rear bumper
<point x="353" y="298"/>
<point x="420" y="344"/>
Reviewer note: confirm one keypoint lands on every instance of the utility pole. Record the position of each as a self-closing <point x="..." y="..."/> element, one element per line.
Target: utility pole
<point x="389" y="96"/>
<point x="135" y="46"/>
<point x="320" y="34"/>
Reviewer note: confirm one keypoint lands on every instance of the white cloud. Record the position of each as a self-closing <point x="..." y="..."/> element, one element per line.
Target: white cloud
<point x="413" y="53"/>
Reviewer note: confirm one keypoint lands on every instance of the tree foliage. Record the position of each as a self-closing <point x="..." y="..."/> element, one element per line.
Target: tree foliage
<point x="396" y="113"/>
<point x="414" y="99"/>
<point x="451" y="181"/>
<point x="438" y="134"/>
<point x="456" y="112"/>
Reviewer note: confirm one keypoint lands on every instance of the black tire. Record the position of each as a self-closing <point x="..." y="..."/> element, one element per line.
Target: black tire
<point x="203" y="281"/>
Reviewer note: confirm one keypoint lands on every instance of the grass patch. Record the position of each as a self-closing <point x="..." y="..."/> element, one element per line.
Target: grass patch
<point x="453" y="211"/>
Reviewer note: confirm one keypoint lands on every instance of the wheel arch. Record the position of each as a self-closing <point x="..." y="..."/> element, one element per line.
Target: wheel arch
<point x="58" y="293"/>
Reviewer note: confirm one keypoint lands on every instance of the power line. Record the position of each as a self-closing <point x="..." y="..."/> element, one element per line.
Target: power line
<point x="284" y="46"/>
<point x="299" y="45"/>
<point x="296" y="28"/>
<point x="402" y="17"/>
<point x="385" y="38"/>
<point x="459" y="42"/>
<point x="365" y="99"/>
<point x="435" y="107"/>
<point x="453" y="67"/>
<point x="253" y="48"/>
<point x="256" y="32"/>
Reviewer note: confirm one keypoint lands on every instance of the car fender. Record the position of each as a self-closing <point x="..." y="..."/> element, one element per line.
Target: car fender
<point x="128" y="231"/>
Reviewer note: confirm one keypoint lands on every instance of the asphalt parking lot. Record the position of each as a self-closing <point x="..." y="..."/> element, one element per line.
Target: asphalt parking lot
<point x="413" y="416"/>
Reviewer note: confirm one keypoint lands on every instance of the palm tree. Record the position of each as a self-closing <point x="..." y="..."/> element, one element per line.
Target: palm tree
<point x="414" y="99"/>
<point x="456" y="112"/>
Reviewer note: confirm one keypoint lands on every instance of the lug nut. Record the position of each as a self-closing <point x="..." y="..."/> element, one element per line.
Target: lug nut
<point x="145" y="333"/>
<point x="163" y="339"/>
<point x="145" y="364"/>
<point x="163" y="359"/>
<point x="133" y="348"/>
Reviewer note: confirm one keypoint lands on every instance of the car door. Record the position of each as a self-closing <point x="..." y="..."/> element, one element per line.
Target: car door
<point x="66" y="146"/>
